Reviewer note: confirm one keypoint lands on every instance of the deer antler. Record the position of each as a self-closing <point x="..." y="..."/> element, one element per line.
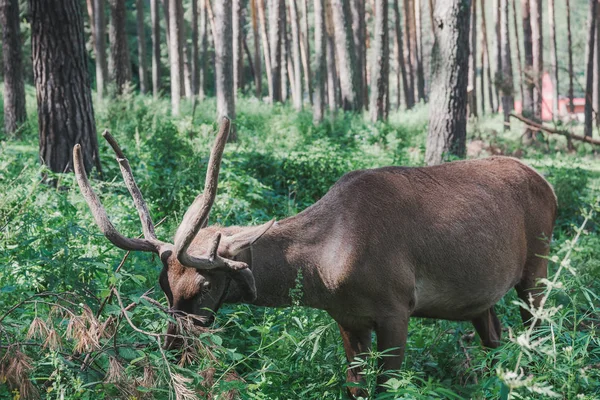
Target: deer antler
<point x="196" y="216"/>
<point x="107" y="228"/>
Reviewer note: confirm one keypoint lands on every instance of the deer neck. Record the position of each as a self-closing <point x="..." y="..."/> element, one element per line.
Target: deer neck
<point x="285" y="266"/>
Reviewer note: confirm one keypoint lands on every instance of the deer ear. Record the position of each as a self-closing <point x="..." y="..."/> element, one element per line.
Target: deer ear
<point x="232" y="245"/>
<point x="245" y="280"/>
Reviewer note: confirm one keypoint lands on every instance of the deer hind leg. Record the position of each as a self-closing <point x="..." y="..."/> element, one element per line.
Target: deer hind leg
<point x="488" y="327"/>
<point x="356" y="342"/>
<point x="391" y="341"/>
<point x="535" y="269"/>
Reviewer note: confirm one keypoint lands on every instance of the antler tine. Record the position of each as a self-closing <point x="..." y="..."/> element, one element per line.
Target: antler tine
<point x="198" y="212"/>
<point x="99" y="213"/>
<point x="138" y="199"/>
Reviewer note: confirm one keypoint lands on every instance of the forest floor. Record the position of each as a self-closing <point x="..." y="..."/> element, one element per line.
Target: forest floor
<point x="57" y="268"/>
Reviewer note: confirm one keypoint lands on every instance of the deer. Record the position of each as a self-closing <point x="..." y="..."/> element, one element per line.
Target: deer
<point x="381" y="246"/>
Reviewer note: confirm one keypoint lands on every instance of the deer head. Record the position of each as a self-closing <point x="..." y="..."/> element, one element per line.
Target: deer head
<point x="201" y="263"/>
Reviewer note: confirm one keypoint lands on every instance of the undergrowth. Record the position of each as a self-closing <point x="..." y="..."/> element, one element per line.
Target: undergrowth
<point x="64" y="334"/>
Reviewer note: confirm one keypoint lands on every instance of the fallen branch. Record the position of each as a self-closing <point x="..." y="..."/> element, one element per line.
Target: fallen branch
<point x="554" y="131"/>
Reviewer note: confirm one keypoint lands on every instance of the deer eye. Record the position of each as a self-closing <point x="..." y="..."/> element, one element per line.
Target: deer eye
<point x="206" y="286"/>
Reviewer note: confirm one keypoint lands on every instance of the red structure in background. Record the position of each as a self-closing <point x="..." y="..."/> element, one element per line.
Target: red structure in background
<point x="563" y="103"/>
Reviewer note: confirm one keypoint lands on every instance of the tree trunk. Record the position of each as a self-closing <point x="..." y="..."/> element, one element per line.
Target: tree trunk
<point x="380" y="99"/>
<point x="100" y="47"/>
<point x="346" y="57"/>
<point x="589" y="76"/>
<point x="295" y="25"/>
<point x="332" y="79"/>
<point x="419" y="52"/>
<point x="285" y="45"/>
<point x="596" y="88"/>
<point x="472" y="86"/>
<point x="484" y="67"/>
<point x="187" y="70"/>
<point x="527" y="109"/>
<point x="224" y="62"/>
<point x="358" y="16"/>
<point x="266" y="46"/>
<point x="65" y="111"/>
<point x="139" y="4"/>
<point x="305" y="50"/>
<point x="15" y="112"/>
<point x="175" y="54"/>
<point x="498" y="43"/>
<point x="155" y="17"/>
<point x="204" y="48"/>
<point x="238" y="53"/>
<point x="450" y="66"/>
<point x="257" y="62"/>
<point x="195" y="69"/>
<point x="507" y="85"/>
<point x="409" y="99"/>
<point x="554" y="56"/>
<point x="276" y="15"/>
<point x="570" y="56"/>
<point x="320" y="62"/>
<point x="408" y="53"/>
<point x="118" y="45"/>
<point x="538" y="55"/>
<point x="488" y="69"/>
<point x="517" y="42"/>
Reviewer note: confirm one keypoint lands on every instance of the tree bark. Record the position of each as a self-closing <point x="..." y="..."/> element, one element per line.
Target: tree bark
<point x="517" y="42"/>
<point x="484" y="67"/>
<point x="195" y="68"/>
<point x="175" y="54"/>
<point x="488" y="69"/>
<point x="257" y="62"/>
<point x="409" y="99"/>
<point x="408" y="52"/>
<point x="554" y="56"/>
<point x="538" y="55"/>
<point x="472" y="86"/>
<point x="155" y="17"/>
<point x="305" y="50"/>
<point x="187" y="70"/>
<point x="266" y="46"/>
<point x="118" y="45"/>
<point x="596" y="84"/>
<point x="570" y="56"/>
<point x="285" y="45"/>
<point x="527" y="109"/>
<point x="507" y="85"/>
<point x="589" y="76"/>
<point x="276" y="15"/>
<point x="204" y="48"/>
<point x="224" y="62"/>
<point x="450" y="66"/>
<point x="139" y="5"/>
<point x="295" y="25"/>
<point x="419" y="52"/>
<point x="332" y="78"/>
<point x="358" y="16"/>
<point x="346" y="57"/>
<point x="238" y="53"/>
<point x="100" y="47"/>
<point x="380" y="100"/>
<point x="65" y="111"/>
<point x="498" y="43"/>
<point x="320" y="62"/>
<point x="15" y="112"/>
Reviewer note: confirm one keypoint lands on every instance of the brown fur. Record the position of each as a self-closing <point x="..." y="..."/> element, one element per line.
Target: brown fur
<point x="386" y="244"/>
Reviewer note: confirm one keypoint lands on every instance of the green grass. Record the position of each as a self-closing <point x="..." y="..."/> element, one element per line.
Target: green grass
<point x="281" y="164"/>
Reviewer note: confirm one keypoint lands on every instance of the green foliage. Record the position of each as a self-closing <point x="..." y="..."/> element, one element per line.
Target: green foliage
<point x="58" y="268"/>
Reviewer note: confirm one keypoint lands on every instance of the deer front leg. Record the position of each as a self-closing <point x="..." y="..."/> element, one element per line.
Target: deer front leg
<point x="391" y="341"/>
<point x="356" y="342"/>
